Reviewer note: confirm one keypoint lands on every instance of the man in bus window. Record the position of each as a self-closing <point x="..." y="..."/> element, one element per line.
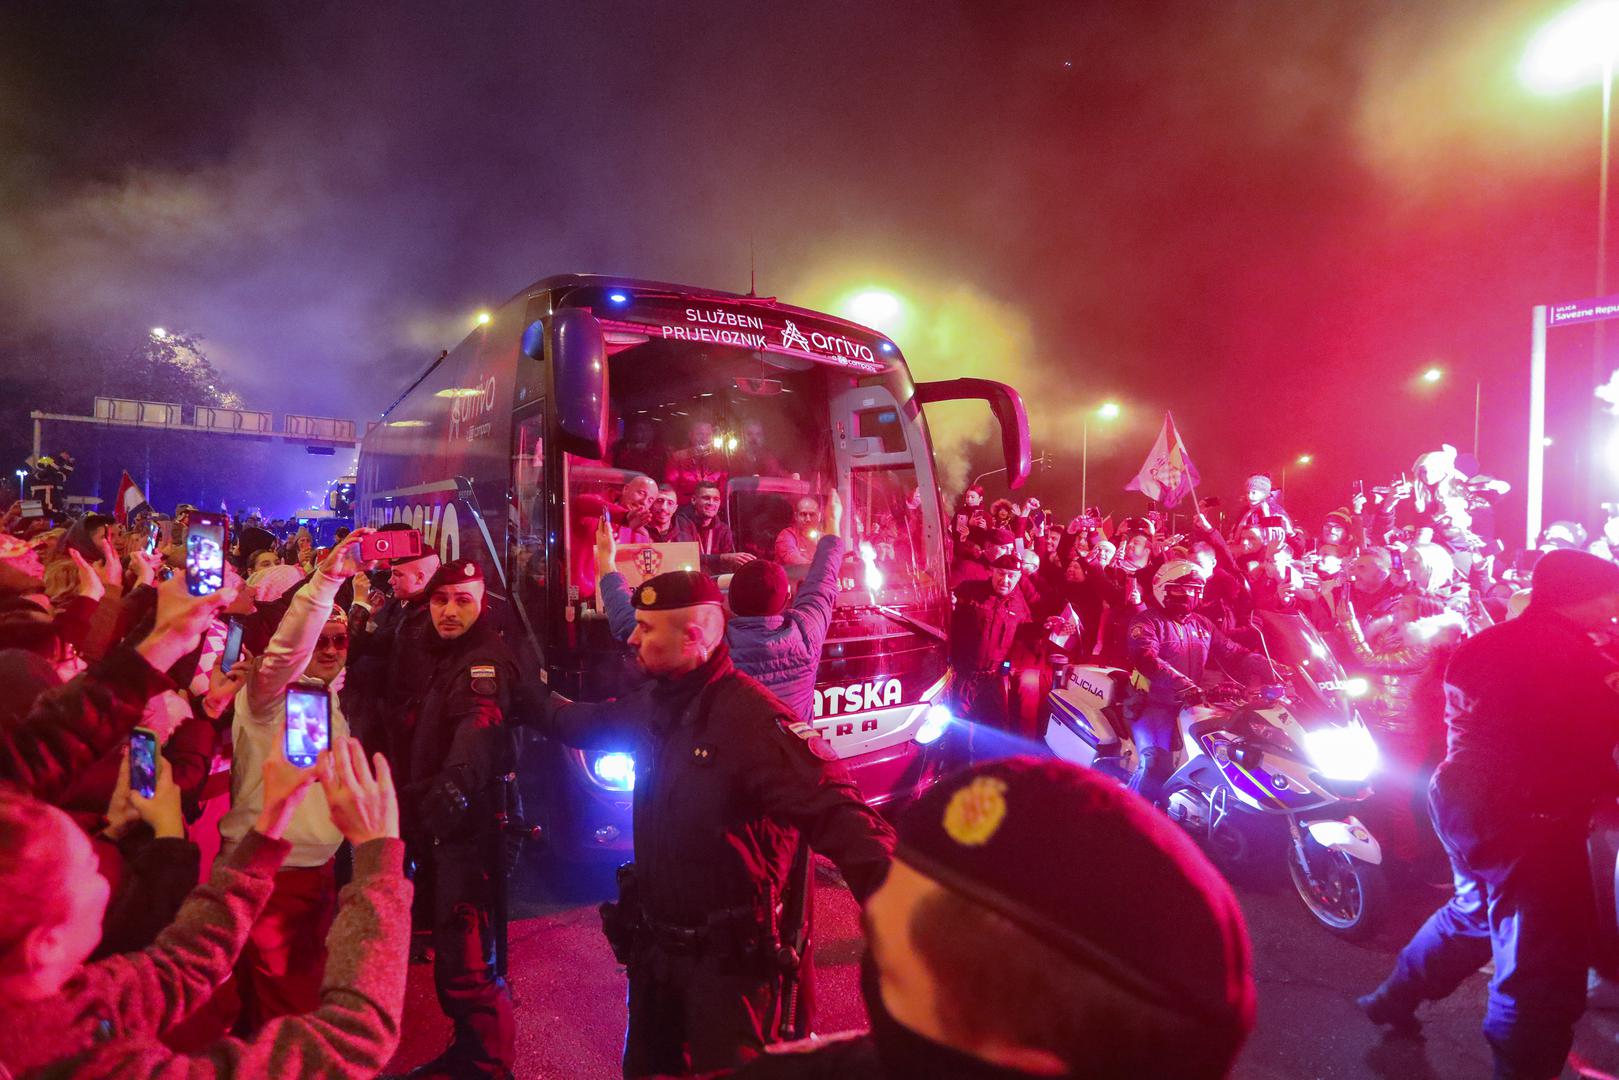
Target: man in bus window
<point x="660" y="524"/>
<point x="698" y="522"/>
<point x="795" y="545"/>
<point x="629" y="516"/>
<point x="700" y="461"/>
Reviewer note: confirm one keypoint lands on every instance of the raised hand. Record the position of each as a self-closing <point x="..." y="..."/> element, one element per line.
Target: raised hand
<point x="606" y="548"/>
<point x="343" y="561"/>
<point x="181" y="621"/>
<point x="284" y="788"/>
<point x="162" y="811"/>
<point x="363" y="805"/>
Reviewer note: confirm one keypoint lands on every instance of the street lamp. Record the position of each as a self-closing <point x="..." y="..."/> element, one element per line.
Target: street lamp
<point x="1302" y="459"/>
<point x="1108" y="410"/>
<point x="483" y="318"/>
<point x="159" y="334"/>
<point x="1435" y="375"/>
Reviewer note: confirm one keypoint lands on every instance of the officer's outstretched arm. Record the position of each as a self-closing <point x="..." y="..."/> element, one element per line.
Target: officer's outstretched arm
<point x="796" y="777"/>
<point x="594" y="725"/>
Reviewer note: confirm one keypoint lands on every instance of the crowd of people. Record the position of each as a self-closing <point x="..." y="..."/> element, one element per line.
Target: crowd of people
<point x="337" y="750"/>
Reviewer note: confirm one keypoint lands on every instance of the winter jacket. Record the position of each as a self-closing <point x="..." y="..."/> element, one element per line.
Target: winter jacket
<point x="781" y="651"/>
<point x="73" y="725"/>
<point x="109" y="1019"/>
<point x="1173" y="654"/>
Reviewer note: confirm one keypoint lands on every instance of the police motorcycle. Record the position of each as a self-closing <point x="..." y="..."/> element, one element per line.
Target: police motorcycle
<point x="1295" y="754"/>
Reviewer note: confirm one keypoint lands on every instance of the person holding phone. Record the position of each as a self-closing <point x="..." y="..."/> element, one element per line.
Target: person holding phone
<point x="279" y="971"/>
<point x="388" y="651"/>
<point x="62" y="1016"/>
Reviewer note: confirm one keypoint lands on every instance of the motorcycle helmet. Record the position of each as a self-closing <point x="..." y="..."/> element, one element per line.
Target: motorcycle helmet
<point x="1178" y="586"/>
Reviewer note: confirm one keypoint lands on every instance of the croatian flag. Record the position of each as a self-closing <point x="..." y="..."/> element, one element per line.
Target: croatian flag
<point x="130" y="503"/>
<point x="1168" y="475"/>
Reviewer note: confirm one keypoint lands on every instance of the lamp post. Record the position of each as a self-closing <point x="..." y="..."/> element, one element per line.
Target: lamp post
<point x="1108" y="410"/>
<point x="1435" y="375"/>
<point x="1301" y="460"/>
<point x="1566" y="54"/>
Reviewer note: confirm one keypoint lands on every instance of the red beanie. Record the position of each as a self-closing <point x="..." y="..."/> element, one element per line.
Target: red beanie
<point x="759" y="588"/>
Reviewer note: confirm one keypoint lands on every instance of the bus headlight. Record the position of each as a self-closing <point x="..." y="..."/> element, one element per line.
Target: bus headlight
<point x="613" y="771"/>
<point x="934" y="721"/>
<point x="1342" y="753"/>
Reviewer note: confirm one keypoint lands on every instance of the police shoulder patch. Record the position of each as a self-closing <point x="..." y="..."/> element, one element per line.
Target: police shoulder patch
<point x="814" y="740"/>
<point x="483" y="679"/>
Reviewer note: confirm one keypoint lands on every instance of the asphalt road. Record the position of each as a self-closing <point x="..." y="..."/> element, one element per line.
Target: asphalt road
<point x="570" y="994"/>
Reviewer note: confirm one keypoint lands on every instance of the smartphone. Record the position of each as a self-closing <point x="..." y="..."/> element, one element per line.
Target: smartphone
<point x="206" y="538"/>
<point x="233" y="647"/>
<point x="1358" y="487"/>
<point x="154" y="532"/>
<point x="143" y="762"/>
<point x="393" y="544"/>
<point x="309" y="724"/>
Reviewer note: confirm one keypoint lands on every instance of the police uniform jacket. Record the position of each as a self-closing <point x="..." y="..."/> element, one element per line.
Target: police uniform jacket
<point x="460" y="732"/>
<point x="1173" y="653"/>
<point x="983" y="626"/>
<point x="1533" y="713"/>
<point x="390" y="667"/>
<point x="726" y="779"/>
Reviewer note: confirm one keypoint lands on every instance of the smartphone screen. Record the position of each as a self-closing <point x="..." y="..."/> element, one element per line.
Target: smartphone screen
<point x="393" y="544"/>
<point x="143" y="762"/>
<point x="233" y="647"/>
<point x="153" y="532"/>
<point x="205" y="553"/>
<point x="309" y="725"/>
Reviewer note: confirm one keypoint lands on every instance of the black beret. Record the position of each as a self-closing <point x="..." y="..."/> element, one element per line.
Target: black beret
<point x="1007" y="562"/>
<point x="987" y="834"/>
<point x="676" y="589"/>
<point x="456" y="572"/>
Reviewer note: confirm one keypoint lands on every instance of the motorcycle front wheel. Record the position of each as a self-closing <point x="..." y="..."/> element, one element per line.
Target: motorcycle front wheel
<point x="1344" y="894"/>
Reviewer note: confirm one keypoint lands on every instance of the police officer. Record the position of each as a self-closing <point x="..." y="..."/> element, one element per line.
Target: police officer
<point x="983" y="627"/>
<point x="1171" y="645"/>
<point x="459" y="751"/>
<point x="994" y="948"/>
<point x="1532" y="708"/>
<point x="727" y="779"/>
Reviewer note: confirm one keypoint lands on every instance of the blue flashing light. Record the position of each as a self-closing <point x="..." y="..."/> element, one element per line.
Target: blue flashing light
<point x="934" y="722"/>
<point x="618" y="297"/>
<point x="614" y="771"/>
<point x="886" y="346"/>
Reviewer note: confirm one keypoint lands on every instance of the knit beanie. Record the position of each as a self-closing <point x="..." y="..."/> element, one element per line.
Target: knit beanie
<point x="759" y="588"/>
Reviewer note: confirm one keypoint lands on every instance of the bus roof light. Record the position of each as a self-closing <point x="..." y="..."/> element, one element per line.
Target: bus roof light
<point x="618" y="297"/>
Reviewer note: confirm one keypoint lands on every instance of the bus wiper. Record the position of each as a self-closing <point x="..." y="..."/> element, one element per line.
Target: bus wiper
<point x="912" y="622"/>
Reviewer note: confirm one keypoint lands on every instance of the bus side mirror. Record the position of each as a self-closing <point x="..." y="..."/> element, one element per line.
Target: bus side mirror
<point x="1007" y="406"/>
<point x="579" y="377"/>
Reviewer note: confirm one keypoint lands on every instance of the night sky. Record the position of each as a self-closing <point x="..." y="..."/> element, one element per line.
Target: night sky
<point x="1266" y="217"/>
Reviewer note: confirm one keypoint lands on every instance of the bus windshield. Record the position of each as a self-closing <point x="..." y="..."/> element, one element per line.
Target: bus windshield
<point x="724" y="454"/>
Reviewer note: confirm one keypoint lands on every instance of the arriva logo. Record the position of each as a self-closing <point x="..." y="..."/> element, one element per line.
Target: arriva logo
<point x="861" y="697"/>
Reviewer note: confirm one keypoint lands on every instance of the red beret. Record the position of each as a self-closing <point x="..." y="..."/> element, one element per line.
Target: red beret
<point x="1094" y="871"/>
<point x="676" y="589"/>
<point x="455" y="572"/>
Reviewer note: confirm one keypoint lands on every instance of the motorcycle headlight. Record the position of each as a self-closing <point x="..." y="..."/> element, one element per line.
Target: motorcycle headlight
<point x="1342" y="753"/>
<point x="613" y="771"/>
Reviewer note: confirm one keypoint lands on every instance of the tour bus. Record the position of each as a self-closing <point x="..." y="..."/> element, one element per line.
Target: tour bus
<point x="512" y="445"/>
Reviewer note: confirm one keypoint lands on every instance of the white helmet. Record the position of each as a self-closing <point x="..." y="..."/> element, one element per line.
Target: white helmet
<point x="1182" y="572"/>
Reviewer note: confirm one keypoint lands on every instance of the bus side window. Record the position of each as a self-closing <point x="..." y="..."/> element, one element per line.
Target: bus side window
<point x="528" y="546"/>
